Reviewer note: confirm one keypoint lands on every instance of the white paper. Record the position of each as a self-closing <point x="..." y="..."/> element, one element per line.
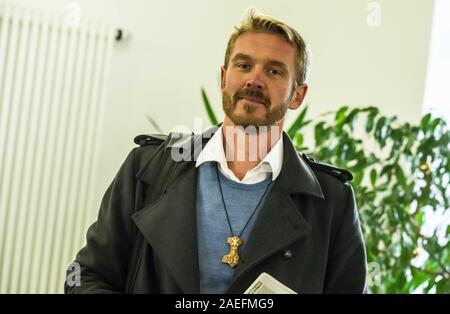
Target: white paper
<point x="266" y="284"/>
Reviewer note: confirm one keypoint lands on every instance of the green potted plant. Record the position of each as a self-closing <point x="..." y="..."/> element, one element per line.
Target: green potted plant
<point x="401" y="180"/>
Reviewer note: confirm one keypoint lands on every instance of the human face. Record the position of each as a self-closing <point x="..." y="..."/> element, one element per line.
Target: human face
<point x="259" y="84"/>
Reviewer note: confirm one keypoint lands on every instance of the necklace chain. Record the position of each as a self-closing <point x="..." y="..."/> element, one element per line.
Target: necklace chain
<point x="225" y="207"/>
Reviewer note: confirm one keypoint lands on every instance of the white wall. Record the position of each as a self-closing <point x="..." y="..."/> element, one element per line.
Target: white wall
<point x="178" y="46"/>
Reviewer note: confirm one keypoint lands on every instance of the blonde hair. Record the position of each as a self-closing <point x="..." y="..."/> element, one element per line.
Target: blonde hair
<point x="259" y="23"/>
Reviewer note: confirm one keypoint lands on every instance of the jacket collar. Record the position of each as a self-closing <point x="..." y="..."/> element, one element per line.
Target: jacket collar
<point x="169" y="224"/>
<point x="296" y="176"/>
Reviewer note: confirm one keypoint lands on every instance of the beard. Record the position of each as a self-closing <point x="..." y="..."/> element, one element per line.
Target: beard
<point x="273" y="113"/>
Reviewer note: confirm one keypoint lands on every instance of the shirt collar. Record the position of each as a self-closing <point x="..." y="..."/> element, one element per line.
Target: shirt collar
<point x="272" y="163"/>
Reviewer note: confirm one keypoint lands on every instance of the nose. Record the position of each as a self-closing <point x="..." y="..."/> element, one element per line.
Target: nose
<point x="254" y="83"/>
<point x="255" y="78"/>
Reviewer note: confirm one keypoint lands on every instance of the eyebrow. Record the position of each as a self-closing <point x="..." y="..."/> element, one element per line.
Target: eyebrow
<point x="242" y="56"/>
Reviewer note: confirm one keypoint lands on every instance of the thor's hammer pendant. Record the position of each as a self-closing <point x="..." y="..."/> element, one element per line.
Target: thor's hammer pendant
<point x="232" y="258"/>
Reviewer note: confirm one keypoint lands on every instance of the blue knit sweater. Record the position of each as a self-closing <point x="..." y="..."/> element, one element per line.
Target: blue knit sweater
<point x="212" y="225"/>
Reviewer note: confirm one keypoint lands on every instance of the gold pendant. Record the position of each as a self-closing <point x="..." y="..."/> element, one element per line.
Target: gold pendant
<point x="232" y="258"/>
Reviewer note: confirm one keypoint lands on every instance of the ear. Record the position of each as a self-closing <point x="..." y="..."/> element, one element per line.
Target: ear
<point x="298" y="96"/>
<point x="222" y="76"/>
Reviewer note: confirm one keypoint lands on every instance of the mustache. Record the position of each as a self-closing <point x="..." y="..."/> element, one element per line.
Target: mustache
<point x="252" y="93"/>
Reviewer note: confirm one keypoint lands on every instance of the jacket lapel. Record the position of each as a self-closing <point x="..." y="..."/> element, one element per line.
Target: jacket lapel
<point x="169" y="224"/>
<point x="280" y="222"/>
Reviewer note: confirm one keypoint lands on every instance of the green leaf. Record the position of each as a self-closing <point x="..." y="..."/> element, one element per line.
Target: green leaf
<point x="351" y="117"/>
<point x="340" y="115"/>
<point x="357" y="177"/>
<point x="417" y="279"/>
<point x="298" y="123"/>
<point x="380" y="133"/>
<point x="298" y="140"/>
<point x="443" y="286"/>
<point x="370" y="118"/>
<point x="400" y="281"/>
<point x="319" y="133"/>
<point x="386" y="170"/>
<point x="373" y="177"/>
<point x="154" y="124"/>
<point x="433" y="124"/>
<point x="209" y="110"/>
<point x="420" y="216"/>
<point x="431" y="284"/>
<point x="424" y="122"/>
<point x="400" y="175"/>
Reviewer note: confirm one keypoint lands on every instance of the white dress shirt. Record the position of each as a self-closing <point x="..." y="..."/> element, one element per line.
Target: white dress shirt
<point x="213" y="151"/>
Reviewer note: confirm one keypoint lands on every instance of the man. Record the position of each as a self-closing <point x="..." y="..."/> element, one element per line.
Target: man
<point x="245" y="204"/>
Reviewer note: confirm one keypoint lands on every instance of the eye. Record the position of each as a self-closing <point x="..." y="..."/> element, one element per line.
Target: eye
<point x="274" y="71"/>
<point x="243" y="66"/>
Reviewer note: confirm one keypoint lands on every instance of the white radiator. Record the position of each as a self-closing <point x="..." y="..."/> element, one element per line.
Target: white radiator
<point x="52" y="89"/>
